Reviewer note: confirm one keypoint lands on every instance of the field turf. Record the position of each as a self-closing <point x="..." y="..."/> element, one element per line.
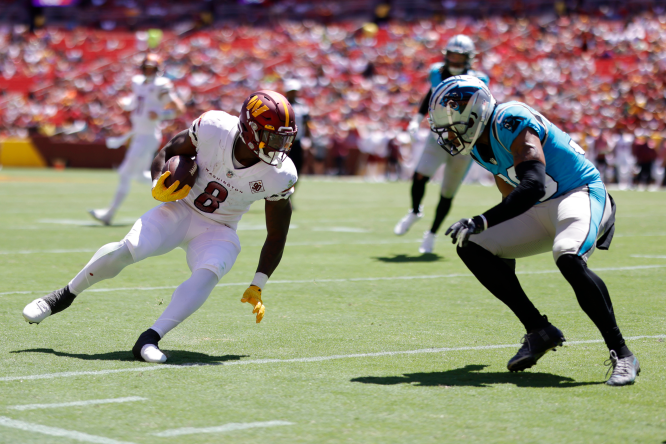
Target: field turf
<point x="364" y="340"/>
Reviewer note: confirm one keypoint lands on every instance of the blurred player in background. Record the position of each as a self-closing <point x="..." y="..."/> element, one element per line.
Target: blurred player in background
<point x="458" y="58"/>
<point x="153" y="100"/>
<point x="303" y="140"/>
<point x="553" y="200"/>
<point x="240" y="160"/>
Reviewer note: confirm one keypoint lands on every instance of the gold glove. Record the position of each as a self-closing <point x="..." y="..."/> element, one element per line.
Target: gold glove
<point x="253" y="296"/>
<point x="164" y="194"/>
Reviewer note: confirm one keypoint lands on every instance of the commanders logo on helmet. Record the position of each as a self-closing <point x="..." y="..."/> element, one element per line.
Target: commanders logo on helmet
<point x="268" y="126"/>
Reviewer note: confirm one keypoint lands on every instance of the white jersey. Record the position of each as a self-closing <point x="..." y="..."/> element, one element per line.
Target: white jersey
<point x="222" y="192"/>
<point x="149" y="96"/>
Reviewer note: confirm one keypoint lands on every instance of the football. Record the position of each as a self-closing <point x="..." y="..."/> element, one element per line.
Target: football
<point x="183" y="168"/>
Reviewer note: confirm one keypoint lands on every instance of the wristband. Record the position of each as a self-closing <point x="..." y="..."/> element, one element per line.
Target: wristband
<point x="259" y="280"/>
<point x="154" y="183"/>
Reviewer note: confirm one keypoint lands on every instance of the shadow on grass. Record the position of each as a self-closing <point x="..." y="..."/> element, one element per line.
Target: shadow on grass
<point x="471" y="376"/>
<point x="402" y="258"/>
<point x="179" y="357"/>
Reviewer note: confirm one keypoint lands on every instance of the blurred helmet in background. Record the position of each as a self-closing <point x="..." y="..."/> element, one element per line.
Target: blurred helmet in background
<point x="463" y="45"/>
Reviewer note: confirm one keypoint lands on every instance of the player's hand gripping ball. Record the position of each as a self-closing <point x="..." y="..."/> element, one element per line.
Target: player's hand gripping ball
<point x="178" y="176"/>
<point x="253" y="296"/>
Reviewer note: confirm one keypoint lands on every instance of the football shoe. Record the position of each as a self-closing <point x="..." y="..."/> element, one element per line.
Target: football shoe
<point x="406" y="222"/>
<point x="146" y="348"/>
<point x="428" y="243"/>
<point x="103" y="216"/>
<point x="41" y="308"/>
<point x="624" y="370"/>
<point x="535" y="345"/>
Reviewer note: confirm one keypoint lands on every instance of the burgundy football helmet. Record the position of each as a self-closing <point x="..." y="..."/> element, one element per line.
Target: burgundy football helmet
<point x="268" y="126"/>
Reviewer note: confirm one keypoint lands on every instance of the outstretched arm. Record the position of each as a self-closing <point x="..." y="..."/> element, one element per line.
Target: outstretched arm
<point x="278" y="216"/>
<point x="530" y="164"/>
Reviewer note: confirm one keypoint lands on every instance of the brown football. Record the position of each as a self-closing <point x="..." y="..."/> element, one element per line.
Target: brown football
<point x="183" y="168"/>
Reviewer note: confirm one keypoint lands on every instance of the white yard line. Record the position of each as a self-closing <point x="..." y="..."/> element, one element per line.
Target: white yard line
<point x="54" y="431"/>
<point x="293" y="360"/>
<point x="76" y="403"/>
<point x="220" y="429"/>
<point x="319" y="281"/>
<point x="245" y="244"/>
<point x="651" y="256"/>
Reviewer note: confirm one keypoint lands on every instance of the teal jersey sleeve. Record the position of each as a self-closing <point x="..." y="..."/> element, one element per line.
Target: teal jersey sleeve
<point x="512" y="118"/>
<point x="435" y="74"/>
<point x="479" y="75"/>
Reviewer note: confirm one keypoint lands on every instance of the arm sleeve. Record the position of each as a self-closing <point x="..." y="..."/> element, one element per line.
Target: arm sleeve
<point x="532" y="187"/>
<point x="423" y="109"/>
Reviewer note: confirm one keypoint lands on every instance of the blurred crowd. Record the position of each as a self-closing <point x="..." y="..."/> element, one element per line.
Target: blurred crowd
<point x="598" y="77"/>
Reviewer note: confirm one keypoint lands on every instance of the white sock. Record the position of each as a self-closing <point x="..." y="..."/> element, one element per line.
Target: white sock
<point x="105" y="264"/>
<point x="188" y="297"/>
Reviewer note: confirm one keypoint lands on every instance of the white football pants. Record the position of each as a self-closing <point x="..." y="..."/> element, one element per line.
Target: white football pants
<point x="569" y="224"/>
<point x="455" y="168"/>
<point x="212" y="249"/>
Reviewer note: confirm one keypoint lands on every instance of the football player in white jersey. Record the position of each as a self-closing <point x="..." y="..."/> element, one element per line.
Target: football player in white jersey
<point x="153" y="100"/>
<point x="240" y="160"/>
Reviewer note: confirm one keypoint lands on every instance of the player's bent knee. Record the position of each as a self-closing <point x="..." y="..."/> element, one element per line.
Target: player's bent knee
<point x="570" y="263"/>
<point x="565" y="247"/>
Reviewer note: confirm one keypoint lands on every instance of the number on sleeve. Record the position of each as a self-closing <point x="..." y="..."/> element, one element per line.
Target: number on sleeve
<point x="551" y="184"/>
<point x="211" y="198"/>
<point x="576" y="147"/>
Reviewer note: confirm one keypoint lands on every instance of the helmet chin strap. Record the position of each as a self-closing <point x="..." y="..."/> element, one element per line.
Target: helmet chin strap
<point x="455" y="71"/>
<point x="268" y="159"/>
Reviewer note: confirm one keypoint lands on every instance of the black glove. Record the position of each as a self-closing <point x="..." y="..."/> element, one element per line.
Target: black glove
<point x="464" y="228"/>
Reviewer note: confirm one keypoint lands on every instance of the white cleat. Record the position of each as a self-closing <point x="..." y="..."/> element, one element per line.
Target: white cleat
<point x="428" y="243"/>
<point x="624" y="370"/>
<point x="150" y="353"/>
<point x="406" y="222"/>
<point x="102" y="216"/>
<point x="36" y="311"/>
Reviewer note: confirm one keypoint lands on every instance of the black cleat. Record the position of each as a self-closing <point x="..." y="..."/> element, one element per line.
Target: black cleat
<point x="535" y="345"/>
<point x="41" y="308"/>
<point x="146" y="348"/>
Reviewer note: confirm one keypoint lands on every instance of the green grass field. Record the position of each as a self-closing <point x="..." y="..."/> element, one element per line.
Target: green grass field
<point x="364" y="339"/>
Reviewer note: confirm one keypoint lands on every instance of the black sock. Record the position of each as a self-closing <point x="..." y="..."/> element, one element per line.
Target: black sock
<point x="59" y="299"/>
<point x="419" y="183"/>
<point x="594" y="299"/>
<point x="500" y="279"/>
<point x="443" y="208"/>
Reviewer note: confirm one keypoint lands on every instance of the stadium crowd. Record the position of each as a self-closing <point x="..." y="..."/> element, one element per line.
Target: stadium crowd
<point x="599" y="78"/>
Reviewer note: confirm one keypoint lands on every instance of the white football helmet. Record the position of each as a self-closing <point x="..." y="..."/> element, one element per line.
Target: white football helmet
<point x="460" y="44"/>
<point x="462" y="106"/>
